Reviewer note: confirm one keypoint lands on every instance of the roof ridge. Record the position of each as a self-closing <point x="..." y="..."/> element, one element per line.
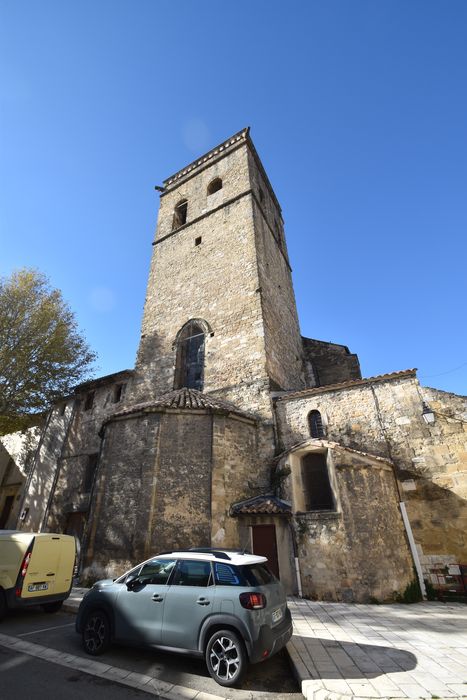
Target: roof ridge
<point x="184" y="398"/>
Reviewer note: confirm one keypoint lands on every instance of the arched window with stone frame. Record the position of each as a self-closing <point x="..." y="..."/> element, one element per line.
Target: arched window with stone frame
<point x="315" y="424"/>
<point x="189" y="363"/>
<point x="180" y="214"/>
<point x="214" y="186"/>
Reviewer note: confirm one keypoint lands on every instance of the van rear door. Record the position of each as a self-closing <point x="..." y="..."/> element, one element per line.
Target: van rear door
<point x="50" y="568"/>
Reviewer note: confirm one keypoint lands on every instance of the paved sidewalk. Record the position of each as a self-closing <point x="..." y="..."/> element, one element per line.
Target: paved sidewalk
<point x="72" y="603"/>
<point x="379" y="651"/>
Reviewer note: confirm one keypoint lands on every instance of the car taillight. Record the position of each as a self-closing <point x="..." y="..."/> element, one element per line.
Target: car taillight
<point x="22" y="573"/>
<point x="253" y="601"/>
<point x="25" y="564"/>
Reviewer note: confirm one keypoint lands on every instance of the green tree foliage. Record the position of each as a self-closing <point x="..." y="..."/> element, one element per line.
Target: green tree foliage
<point x="42" y="353"/>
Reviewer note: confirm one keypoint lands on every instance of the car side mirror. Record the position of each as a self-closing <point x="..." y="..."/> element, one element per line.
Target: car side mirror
<point x="132" y="582"/>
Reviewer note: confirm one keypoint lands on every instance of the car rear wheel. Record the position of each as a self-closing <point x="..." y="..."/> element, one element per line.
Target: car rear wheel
<point x="96" y="633"/>
<point x="52" y="607"/>
<point x="226" y="658"/>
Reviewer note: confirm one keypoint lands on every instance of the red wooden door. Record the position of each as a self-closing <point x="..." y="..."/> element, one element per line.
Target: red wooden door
<point x="264" y="544"/>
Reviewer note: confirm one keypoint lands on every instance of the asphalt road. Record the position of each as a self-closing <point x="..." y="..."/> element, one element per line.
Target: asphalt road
<point x="25" y="676"/>
<point x="270" y="680"/>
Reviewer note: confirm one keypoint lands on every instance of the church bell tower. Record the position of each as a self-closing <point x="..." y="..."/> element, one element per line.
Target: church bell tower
<point x="220" y="312"/>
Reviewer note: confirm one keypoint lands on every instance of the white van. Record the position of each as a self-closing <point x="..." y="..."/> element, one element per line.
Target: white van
<point x="35" y="569"/>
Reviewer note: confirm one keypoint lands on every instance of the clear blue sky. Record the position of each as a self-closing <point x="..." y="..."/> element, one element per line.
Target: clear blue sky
<point x="358" y="110"/>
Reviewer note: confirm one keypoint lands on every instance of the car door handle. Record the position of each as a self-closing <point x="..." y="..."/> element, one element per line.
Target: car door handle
<point x="203" y="601"/>
<point x="157" y="598"/>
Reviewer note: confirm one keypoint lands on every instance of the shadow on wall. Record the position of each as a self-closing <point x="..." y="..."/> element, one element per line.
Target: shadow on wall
<point x="438" y="517"/>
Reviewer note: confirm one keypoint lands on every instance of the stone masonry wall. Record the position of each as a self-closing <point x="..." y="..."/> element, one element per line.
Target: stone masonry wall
<point x="58" y="471"/>
<point x="217" y="281"/>
<point x="118" y="535"/>
<point x="284" y="352"/>
<point x="329" y="363"/>
<point x="237" y="473"/>
<point x="360" y="551"/>
<point x="182" y="500"/>
<point x="385" y="418"/>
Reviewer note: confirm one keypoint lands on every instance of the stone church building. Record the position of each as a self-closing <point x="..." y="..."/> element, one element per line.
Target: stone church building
<point x="234" y="431"/>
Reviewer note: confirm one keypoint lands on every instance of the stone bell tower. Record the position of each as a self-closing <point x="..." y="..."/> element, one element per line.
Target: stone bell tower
<point x="220" y="312"/>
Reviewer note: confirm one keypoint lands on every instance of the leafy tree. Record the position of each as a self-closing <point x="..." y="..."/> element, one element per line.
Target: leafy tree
<point x="42" y="353"/>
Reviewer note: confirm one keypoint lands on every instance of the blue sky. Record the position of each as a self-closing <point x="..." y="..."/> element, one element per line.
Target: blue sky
<point x="358" y="110"/>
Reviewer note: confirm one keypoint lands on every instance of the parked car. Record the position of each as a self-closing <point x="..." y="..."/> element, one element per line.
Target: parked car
<point x="224" y="605"/>
<point x="35" y="569"/>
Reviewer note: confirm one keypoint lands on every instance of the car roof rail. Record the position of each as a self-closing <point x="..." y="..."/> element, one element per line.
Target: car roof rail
<point x="219" y="553"/>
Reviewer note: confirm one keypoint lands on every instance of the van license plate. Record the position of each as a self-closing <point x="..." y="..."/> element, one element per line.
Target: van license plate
<point x="276" y="615"/>
<point x="38" y="587"/>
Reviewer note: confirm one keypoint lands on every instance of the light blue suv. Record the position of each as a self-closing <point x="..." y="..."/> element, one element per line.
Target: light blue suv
<point x="224" y="605"/>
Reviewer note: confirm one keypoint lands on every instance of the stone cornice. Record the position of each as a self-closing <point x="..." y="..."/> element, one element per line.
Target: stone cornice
<point x="220" y="150"/>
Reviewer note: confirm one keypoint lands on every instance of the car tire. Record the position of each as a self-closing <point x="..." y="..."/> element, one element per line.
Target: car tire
<point x="96" y="633"/>
<point x="3" y="605"/>
<point x="52" y="607"/>
<point x="226" y="658"/>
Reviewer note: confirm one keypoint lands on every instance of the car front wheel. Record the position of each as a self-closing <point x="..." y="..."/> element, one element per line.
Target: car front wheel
<point x="96" y="633"/>
<point x="226" y="658"/>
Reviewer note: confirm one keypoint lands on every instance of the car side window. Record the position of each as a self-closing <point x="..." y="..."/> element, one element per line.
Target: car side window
<point x="123" y="577"/>
<point x="226" y="575"/>
<point x="193" y="573"/>
<point x="156" y="571"/>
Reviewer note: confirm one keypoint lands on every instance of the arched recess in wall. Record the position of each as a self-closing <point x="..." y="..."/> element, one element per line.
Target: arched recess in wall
<point x="315" y="424"/>
<point x="189" y="362"/>
<point x="316" y="484"/>
<point x="215" y="185"/>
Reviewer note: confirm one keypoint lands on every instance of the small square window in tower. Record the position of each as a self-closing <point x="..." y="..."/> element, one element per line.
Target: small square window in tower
<point x="315" y="480"/>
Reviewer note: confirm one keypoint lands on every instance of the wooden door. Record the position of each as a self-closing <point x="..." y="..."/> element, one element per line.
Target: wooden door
<point x="264" y="544"/>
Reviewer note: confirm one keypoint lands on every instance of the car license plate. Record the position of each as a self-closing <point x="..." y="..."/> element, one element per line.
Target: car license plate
<point x="276" y="615"/>
<point x="37" y="587"/>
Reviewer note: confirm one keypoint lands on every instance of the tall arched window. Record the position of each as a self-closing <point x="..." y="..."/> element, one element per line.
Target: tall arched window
<point x="180" y="214"/>
<point x="189" y="369"/>
<point x="315" y="424"/>
<point x="215" y="185"/>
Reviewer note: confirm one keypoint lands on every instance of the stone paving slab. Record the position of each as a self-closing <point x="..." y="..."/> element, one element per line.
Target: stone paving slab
<point x="342" y="651"/>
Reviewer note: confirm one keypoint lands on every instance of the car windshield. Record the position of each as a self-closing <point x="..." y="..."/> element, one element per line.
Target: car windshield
<point x="258" y="574"/>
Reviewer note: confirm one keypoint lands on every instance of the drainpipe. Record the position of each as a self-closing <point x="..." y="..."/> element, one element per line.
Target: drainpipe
<point x="296" y="560"/>
<point x="413" y="549"/>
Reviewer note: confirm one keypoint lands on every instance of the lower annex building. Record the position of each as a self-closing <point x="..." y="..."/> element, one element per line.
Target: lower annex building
<point x="233" y="430"/>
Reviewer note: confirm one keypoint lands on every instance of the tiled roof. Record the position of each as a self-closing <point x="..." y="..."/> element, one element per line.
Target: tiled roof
<point x="347" y="385"/>
<point x="259" y="505"/>
<point x="183" y="399"/>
